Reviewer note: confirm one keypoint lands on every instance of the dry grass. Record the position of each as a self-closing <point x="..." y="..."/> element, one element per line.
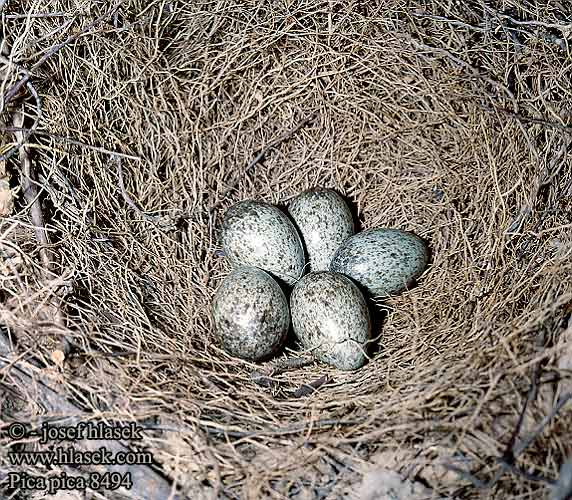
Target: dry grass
<point x="458" y="132"/>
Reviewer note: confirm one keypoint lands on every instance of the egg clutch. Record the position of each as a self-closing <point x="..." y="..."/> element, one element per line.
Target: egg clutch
<point x="328" y="271"/>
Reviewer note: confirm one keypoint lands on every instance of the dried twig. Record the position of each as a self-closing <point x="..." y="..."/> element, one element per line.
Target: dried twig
<point x="463" y="64"/>
<point x="508" y="458"/>
<point x="292" y="429"/>
<point x="165" y="223"/>
<point x="283" y="365"/>
<point x="311" y="387"/>
<point x="23" y="137"/>
<point x="545" y="176"/>
<point x="508" y="455"/>
<point x="540" y="427"/>
<point x="452" y="22"/>
<point x="74" y="142"/>
<point x="264" y="377"/>
<point x="524" y="474"/>
<point x="47" y="256"/>
<point x="263" y="152"/>
<point x="515" y="451"/>
<point x="31" y="196"/>
<point x="504" y="25"/>
<point x="13" y="91"/>
<point x="128" y="199"/>
<point x="526" y="119"/>
<point x="559" y="26"/>
<point x="39" y="15"/>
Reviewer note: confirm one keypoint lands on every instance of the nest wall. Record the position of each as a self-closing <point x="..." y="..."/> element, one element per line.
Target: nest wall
<point x="449" y="121"/>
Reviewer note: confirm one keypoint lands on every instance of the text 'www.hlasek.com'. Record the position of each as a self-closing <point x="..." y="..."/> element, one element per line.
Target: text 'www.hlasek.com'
<point x="66" y="454"/>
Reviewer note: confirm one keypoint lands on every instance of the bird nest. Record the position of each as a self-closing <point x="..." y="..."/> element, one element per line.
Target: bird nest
<point x="128" y="129"/>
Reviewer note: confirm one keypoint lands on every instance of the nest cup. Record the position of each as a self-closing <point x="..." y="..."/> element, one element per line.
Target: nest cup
<point x="157" y="118"/>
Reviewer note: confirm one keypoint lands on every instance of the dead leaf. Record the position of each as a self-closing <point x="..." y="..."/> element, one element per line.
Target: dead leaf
<point x="384" y="484"/>
<point x="6" y="198"/>
<point x="58" y="357"/>
<point x="10" y="265"/>
<point x="429" y="466"/>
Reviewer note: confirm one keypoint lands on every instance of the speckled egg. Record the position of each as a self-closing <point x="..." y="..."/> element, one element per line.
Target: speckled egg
<point x="324" y="221"/>
<point x="331" y="318"/>
<point x="257" y="234"/>
<point x="250" y="313"/>
<point x="382" y="261"/>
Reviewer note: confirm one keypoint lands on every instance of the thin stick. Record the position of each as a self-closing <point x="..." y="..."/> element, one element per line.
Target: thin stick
<point x="29" y="131"/>
<point x="47" y="256"/>
<point x="127" y="198"/>
<point x="558" y="26"/>
<point x="292" y="429"/>
<point x="463" y="64"/>
<point x="262" y="153"/>
<point x="74" y="142"/>
<point x="516" y="451"/>
<point x="508" y="455"/>
<point x="283" y="365"/>
<point x="31" y="195"/>
<point x="38" y="16"/>
<point x="56" y="48"/>
<point x="311" y="387"/>
<point x="452" y="22"/>
<point x="526" y="475"/>
<point x="264" y="377"/>
<point x="524" y="119"/>
<point x="545" y="421"/>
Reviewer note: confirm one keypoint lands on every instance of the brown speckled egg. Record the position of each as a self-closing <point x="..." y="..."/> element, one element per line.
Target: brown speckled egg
<point x="250" y="313"/>
<point x="324" y="221"/>
<point x="382" y="261"/>
<point x="330" y="317"/>
<point x="257" y="234"/>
